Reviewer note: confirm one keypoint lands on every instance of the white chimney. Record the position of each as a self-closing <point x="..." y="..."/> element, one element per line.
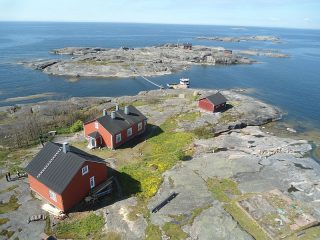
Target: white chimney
<point x="126" y="110"/>
<point x="117" y="107"/>
<point x="113" y="114"/>
<point x="65" y="147"/>
<point x="104" y="112"/>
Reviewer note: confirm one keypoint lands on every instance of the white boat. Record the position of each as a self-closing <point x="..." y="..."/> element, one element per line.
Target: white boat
<point x="184" y="83"/>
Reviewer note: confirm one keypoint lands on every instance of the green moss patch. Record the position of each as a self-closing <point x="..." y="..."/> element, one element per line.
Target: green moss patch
<point x="174" y="231"/>
<point x="9" y="189"/>
<point x="84" y="226"/>
<point x="153" y="232"/>
<point x="227" y="192"/>
<point x="6" y="233"/>
<point x="4" y="220"/>
<point x="9" y="206"/>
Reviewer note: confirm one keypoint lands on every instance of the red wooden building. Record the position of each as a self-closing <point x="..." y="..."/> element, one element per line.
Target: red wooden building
<point x="115" y="129"/>
<point x="213" y="103"/>
<point x="64" y="175"/>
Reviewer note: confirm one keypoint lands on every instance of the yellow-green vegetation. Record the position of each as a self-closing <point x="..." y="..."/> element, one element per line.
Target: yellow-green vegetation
<point x="174" y="231"/>
<point x="4" y="220"/>
<point x="308" y="234"/>
<point x="9" y="206"/>
<point x="75" y="127"/>
<point x="187" y="219"/>
<point x="9" y="189"/>
<point x="203" y="132"/>
<point x="227" y="117"/>
<point x="83" y="226"/>
<point x="189" y="116"/>
<point x="227" y="192"/>
<point x="3" y="156"/>
<point x="161" y="152"/>
<point x="6" y="233"/>
<point x="108" y="236"/>
<point x="153" y="232"/>
<point x="11" y="159"/>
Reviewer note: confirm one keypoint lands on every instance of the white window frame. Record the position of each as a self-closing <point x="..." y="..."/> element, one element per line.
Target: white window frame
<point x="85" y="170"/>
<point x="139" y="126"/>
<point x="118" y="138"/>
<point x="53" y="195"/>
<point x="92" y="182"/>
<point x="96" y="125"/>
<point x="129" y="132"/>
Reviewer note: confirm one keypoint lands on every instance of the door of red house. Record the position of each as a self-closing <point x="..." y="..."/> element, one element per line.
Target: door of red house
<point x="92" y="183"/>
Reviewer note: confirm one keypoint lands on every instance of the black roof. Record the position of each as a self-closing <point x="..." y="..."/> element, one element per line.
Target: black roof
<point x="56" y="169"/>
<point x="216" y="98"/>
<point x="122" y="120"/>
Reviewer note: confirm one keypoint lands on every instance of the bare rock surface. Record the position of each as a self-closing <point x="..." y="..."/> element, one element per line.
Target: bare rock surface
<point x="259" y="162"/>
<point x="118" y="221"/>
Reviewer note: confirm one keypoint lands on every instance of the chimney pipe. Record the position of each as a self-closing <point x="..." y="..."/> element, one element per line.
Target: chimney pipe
<point x="65" y="147"/>
<point x="113" y="114"/>
<point x="117" y="107"/>
<point x="126" y="110"/>
<point x="104" y="112"/>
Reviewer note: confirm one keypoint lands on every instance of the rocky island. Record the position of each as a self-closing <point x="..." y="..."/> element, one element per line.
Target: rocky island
<point x="133" y="62"/>
<point x="232" y="179"/>
<point x="242" y="38"/>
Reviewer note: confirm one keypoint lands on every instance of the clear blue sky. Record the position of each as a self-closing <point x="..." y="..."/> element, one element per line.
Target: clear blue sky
<point x="274" y="13"/>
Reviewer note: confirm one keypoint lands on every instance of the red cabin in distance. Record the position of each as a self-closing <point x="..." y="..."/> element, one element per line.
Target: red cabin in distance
<point x="64" y="175"/>
<point x="213" y="103"/>
<point x="115" y="129"/>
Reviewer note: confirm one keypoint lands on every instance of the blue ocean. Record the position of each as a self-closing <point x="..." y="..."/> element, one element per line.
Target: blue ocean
<point x="292" y="84"/>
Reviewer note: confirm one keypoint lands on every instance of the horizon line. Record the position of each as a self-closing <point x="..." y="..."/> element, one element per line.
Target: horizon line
<point x="153" y="23"/>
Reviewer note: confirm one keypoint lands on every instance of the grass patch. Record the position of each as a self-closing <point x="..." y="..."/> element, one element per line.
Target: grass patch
<point x="83" y="226"/>
<point x="162" y="152"/>
<point x="189" y="116"/>
<point x="227" y="117"/>
<point x="11" y="159"/>
<point x="4" y="220"/>
<point x="9" y="189"/>
<point x="6" y="233"/>
<point x="3" y="156"/>
<point x="75" y="127"/>
<point x="227" y="192"/>
<point x="109" y="236"/>
<point x="174" y="231"/>
<point x="9" y="206"/>
<point x="203" y="132"/>
<point x="153" y="232"/>
<point x="312" y="233"/>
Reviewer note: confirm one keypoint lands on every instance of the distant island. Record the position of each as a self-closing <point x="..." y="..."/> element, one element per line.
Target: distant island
<point x="241" y="38"/>
<point x="133" y="62"/>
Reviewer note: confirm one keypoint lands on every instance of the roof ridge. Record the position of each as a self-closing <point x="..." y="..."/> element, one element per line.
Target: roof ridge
<point x="49" y="162"/>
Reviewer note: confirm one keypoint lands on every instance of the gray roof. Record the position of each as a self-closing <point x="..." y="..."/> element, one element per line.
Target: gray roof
<point x="216" y="98"/>
<point x="122" y="121"/>
<point x="94" y="135"/>
<point x="56" y="169"/>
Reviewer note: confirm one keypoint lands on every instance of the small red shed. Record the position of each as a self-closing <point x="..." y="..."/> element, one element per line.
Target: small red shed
<point x="115" y="129"/>
<point x="64" y="175"/>
<point x="213" y="103"/>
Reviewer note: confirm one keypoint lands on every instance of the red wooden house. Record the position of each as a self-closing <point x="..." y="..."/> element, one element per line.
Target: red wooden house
<point x="63" y="175"/>
<point x="115" y="129"/>
<point x="213" y="103"/>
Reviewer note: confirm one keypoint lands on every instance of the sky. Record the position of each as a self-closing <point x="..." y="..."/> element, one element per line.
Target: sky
<point x="270" y="13"/>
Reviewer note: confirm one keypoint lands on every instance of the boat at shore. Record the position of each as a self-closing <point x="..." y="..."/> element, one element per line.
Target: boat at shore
<point x="184" y="83"/>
